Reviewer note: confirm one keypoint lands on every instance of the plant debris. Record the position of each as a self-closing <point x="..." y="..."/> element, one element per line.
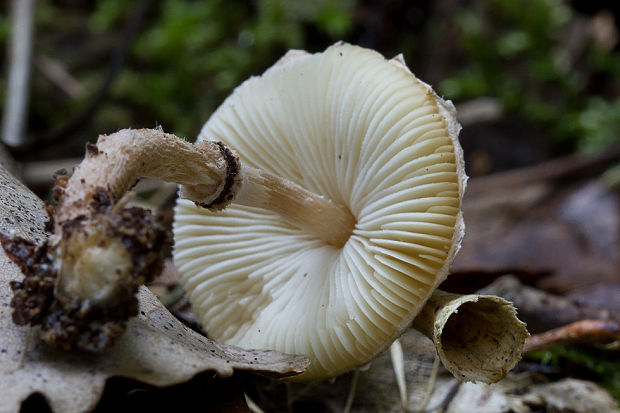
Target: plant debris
<point x="156" y="348"/>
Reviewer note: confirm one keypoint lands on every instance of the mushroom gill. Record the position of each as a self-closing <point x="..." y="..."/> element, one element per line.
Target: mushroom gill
<point x="365" y="133"/>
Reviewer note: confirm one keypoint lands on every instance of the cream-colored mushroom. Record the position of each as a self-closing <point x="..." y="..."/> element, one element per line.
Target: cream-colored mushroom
<point x="365" y="133"/>
<point x="345" y="217"/>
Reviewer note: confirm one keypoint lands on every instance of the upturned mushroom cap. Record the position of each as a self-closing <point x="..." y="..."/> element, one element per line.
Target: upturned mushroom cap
<point x="364" y="132"/>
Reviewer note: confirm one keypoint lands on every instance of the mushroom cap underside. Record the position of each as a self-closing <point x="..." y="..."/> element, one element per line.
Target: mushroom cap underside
<point x="362" y="131"/>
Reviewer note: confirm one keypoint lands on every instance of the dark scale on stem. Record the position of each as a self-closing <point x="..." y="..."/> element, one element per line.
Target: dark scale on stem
<point x="232" y="170"/>
<point x="61" y="177"/>
<point x="101" y="200"/>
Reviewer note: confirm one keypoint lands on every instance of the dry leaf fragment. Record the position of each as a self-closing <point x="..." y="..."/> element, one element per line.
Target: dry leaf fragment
<point x="156" y="348"/>
<point x="524" y="393"/>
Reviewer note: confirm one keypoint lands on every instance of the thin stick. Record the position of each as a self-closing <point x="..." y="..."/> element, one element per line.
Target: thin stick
<point x="541" y="310"/>
<point x="352" y="390"/>
<point x="398" y="363"/>
<point x="445" y="402"/>
<point x="19" y="72"/>
<point x="254" y="408"/>
<point x="560" y="168"/>
<point x="59" y="76"/>
<point x="584" y="331"/>
<point x="430" y="385"/>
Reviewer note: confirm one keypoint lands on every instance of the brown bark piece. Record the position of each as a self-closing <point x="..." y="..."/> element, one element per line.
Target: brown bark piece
<point x="579" y="332"/>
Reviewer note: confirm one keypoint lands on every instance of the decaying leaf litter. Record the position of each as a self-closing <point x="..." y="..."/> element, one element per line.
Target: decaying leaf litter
<point x="156" y="349"/>
<point x="34" y="230"/>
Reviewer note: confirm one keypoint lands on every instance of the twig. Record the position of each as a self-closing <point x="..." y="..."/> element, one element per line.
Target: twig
<point x="254" y="408"/>
<point x="543" y="311"/>
<point x="116" y="63"/>
<point x="352" y="390"/>
<point x="432" y="380"/>
<point x="20" y="54"/>
<point x="445" y="402"/>
<point x="580" y="332"/>
<point x="398" y="363"/>
<point x="58" y="75"/>
<point x="485" y="109"/>
<point x="565" y="167"/>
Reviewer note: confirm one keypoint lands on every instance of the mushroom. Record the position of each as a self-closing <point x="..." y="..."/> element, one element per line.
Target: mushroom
<point x="324" y="235"/>
<point x="382" y="147"/>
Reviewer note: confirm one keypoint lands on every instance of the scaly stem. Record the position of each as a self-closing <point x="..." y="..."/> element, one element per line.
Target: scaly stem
<point x="80" y="286"/>
<point x="210" y="174"/>
<point x="118" y="160"/>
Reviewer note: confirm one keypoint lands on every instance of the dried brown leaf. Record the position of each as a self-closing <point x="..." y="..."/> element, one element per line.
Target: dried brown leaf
<point x="377" y="390"/>
<point x="570" y="231"/>
<point x="156" y="348"/>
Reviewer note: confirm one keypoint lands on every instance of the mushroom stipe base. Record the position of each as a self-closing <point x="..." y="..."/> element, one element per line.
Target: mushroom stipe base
<point x="69" y="322"/>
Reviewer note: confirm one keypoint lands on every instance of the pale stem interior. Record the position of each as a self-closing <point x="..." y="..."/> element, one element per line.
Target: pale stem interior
<point x="318" y="215"/>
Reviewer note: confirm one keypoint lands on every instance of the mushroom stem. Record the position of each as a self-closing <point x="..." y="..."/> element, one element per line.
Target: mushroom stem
<point x="86" y="276"/>
<point x="306" y="210"/>
<point x="210" y="175"/>
<point x="477" y="337"/>
<point x="117" y="161"/>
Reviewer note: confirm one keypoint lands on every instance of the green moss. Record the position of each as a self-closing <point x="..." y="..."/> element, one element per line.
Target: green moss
<point x="602" y="366"/>
<point x="517" y="52"/>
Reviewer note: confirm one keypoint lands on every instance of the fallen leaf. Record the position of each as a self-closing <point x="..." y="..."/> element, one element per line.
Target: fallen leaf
<point x="571" y="396"/>
<point x="524" y="393"/>
<point x="604" y="295"/>
<point x="570" y="231"/>
<point x="156" y="348"/>
<point x="541" y="310"/>
<point x="376" y="389"/>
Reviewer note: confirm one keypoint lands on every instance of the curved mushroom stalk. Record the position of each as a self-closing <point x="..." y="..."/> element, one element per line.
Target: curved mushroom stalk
<point x="477" y="337"/>
<point x="80" y="286"/>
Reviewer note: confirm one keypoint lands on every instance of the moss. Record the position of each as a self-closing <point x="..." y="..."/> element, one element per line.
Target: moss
<point x="599" y="365"/>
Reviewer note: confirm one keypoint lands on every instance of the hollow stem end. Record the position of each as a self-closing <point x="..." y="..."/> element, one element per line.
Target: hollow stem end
<point x="477" y="337"/>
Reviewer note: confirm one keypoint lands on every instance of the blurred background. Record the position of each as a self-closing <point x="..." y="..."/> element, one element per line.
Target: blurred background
<point x="532" y="79"/>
